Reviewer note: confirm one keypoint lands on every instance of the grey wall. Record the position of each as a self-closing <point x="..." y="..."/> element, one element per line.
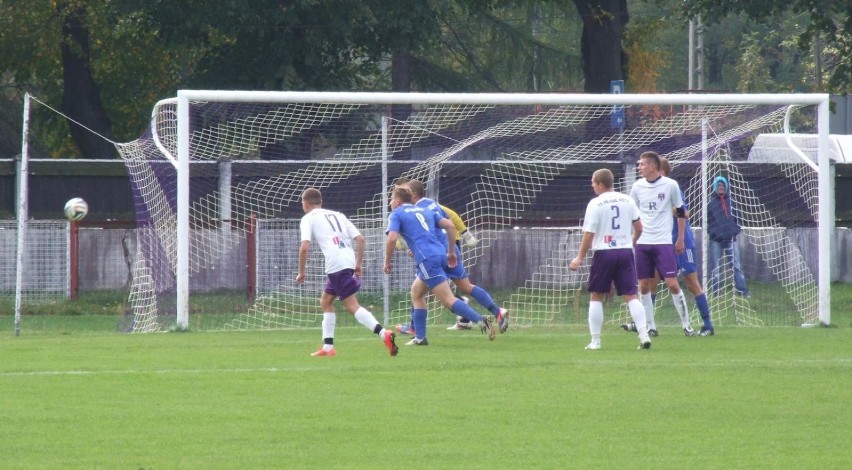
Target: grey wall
<point x="508" y="259"/>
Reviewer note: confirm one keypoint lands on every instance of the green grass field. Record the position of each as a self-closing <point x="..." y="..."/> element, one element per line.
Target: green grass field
<point x="533" y="398"/>
<point x="78" y="395"/>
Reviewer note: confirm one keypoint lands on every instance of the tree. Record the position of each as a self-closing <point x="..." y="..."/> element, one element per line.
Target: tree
<point x="104" y="63"/>
<point x="81" y="97"/>
<point x="830" y="21"/>
<point x="109" y="61"/>
<point x="540" y="38"/>
<point x="603" y="29"/>
<point x="752" y="68"/>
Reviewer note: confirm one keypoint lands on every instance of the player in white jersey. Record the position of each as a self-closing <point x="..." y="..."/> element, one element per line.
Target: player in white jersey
<point x="611" y="223"/>
<point x="656" y="196"/>
<point x="335" y="235"/>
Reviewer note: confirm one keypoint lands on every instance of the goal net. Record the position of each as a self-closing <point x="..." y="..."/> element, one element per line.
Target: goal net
<point x="218" y="178"/>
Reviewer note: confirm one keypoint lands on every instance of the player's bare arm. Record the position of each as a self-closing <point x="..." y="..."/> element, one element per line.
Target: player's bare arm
<point x="390" y="244"/>
<point x="681" y="228"/>
<point x="303" y="260"/>
<point x="585" y="244"/>
<point x="360" y="243"/>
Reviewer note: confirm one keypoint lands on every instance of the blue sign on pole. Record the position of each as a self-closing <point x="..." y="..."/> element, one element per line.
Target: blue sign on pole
<point x="616" y="87"/>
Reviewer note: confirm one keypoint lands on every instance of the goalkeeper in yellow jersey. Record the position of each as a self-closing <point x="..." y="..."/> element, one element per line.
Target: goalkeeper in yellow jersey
<point x="459" y="224"/>
<point x="458" y="275"/>
<point x="461" y="323"/>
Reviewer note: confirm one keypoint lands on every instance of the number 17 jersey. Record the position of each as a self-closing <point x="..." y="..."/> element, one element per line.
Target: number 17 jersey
<point x="610" y="217"/>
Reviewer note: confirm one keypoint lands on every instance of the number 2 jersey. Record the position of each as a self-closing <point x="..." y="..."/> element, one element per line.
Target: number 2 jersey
<point x="334" y="234"/>
<point x="610" y="217"/>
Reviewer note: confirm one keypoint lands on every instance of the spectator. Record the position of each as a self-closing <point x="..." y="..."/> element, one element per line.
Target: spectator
<point x="723" y="228"/>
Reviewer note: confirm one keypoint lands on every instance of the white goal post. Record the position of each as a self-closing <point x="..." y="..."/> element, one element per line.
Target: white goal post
<point x="521" y="173"/>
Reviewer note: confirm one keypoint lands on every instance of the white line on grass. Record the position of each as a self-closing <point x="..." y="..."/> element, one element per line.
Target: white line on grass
<point x="53" y="373"/>
<point x="301" y="368"/>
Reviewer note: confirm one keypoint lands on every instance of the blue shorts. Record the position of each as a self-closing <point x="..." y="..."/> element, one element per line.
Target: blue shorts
<point x="342" y="284"/>
<point x="653" y="258"/>
<point x="686" y="262"/>
<point x="613" y="267"/>
<point x="456" y="273"/>
<point x="431" y="271"/>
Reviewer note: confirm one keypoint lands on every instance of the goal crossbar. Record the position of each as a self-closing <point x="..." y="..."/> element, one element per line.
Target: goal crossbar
<point x="674" y="99"/>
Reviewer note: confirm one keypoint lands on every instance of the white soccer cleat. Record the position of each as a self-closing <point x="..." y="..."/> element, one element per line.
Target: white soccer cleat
<point x="594" y="346"/>
<point x="461" y="326"/>
<point x="418" y="342"/>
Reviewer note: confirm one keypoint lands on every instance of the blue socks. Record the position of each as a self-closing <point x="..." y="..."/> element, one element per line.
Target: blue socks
<point x="483" y="298"/>
<point x="704" y="310"/>
<point x="462" y="309"/>
<point x="418" y="320"/>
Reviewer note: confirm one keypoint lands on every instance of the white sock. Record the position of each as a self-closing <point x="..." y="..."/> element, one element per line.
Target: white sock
<point x="682" y="310"/>
<point x="648" y="303"/>
<point x="366" y="318"/>
<point x="637" y="313"/>
<point x="595" y="320"/>
<point x="328" y="321"/>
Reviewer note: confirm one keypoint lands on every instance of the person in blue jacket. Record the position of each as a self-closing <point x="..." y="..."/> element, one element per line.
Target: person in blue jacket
<point x="722" y="229"/>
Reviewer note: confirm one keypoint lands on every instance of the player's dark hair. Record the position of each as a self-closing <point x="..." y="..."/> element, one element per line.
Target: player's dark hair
<point x="665" y="166"/>
<point x="312" y="196"/>
<point x="651" y="156"/>
<point x="417" y="188"/>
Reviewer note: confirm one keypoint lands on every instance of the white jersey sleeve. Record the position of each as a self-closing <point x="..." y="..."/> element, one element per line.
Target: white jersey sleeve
<point x="334" y="234"/>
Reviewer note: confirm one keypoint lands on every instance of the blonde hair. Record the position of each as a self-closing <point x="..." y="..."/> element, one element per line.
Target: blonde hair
<point x="604" y="177"/>
<point x="402" y="193"/>
<point x="312" y="196"/>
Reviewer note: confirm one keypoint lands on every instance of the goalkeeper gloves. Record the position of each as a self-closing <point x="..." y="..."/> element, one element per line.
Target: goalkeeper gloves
<point x="469" y="239"/>
<point x="400" y="244"/>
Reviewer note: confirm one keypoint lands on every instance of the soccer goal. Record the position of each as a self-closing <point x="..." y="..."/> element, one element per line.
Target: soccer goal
<point x="218" y="177"/>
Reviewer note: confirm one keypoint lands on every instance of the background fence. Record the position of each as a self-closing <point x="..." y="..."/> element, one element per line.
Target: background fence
<point x="106" y="255"/>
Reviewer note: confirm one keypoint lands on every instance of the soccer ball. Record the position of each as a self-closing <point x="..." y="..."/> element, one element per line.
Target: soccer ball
<point x="76" y="209"/>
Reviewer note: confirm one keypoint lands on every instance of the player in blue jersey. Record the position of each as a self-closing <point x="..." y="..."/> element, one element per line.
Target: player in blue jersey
<point x="335" y="234"/>
<point x="687" y="267"/>
<point x="419" y="227"/>
<point x="458" y="274"/>
<point x="610" y="226"/>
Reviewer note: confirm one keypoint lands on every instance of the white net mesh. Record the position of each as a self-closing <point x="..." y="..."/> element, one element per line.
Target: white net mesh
<point x="518" y="175"/>
<point x="45" y="260"/>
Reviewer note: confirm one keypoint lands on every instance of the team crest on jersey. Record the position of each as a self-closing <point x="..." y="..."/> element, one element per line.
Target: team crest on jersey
<point x="661" y="196"/>
<point x="338" y="241"/>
